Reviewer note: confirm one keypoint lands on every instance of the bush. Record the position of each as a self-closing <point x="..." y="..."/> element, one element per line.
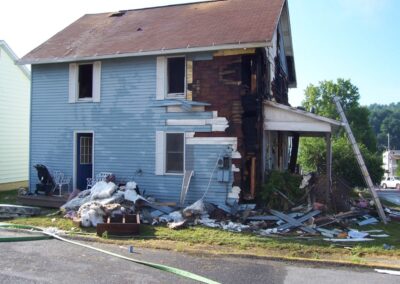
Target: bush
<point x="286" y="183"/>
<point x="344" y="164"/>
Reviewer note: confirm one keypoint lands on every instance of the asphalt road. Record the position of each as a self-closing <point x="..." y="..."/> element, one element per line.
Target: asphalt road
<point x="391" y="195"/>
<point x="53" y="261"/>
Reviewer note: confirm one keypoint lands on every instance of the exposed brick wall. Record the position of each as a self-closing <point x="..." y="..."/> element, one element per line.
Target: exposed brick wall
<point x="218" y="82"/>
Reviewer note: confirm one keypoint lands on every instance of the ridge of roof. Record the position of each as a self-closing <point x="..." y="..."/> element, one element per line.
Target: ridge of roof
<point x="173" y="5"/>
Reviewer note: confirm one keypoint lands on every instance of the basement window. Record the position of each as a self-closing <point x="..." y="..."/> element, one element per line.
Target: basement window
<point x="175" y="153"/>
<point x="176" y="76"/>
<point x="85" y="81"/>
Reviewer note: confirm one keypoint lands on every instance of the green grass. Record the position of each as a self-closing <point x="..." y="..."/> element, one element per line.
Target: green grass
<point x="207" y="240"/>
<point x="202" y="239"/>
<point x="8" y="197"/>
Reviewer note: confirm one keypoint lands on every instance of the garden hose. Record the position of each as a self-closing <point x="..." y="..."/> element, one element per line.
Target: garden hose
<point x="23" y="238"/>
<point x="166" y="268"/>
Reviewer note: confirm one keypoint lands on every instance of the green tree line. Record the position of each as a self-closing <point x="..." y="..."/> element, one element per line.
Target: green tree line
<point x="385" y="119"/>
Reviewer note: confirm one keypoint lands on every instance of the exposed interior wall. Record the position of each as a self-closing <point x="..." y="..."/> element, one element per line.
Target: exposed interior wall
<point x="235" y="84"/>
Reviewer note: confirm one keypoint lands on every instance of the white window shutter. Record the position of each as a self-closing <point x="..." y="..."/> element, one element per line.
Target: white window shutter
<point x="161" y="77"/>
<point x="96" y="81"/>
<point x="160" y="152"/>
<point x="73" y="82"/>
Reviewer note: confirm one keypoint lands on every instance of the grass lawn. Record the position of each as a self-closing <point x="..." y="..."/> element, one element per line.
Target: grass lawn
<point x="8" y="197"/>
<point x="202" y="240"/>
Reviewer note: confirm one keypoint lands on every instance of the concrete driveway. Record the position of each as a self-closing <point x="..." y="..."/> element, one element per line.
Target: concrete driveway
<point x="53" y="261"/>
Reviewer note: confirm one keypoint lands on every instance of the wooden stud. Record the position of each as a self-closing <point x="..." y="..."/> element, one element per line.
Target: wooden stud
<point x="253" y="177"/>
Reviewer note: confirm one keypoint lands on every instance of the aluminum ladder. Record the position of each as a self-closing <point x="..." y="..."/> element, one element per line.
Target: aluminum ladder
<point x="360" y="160"/>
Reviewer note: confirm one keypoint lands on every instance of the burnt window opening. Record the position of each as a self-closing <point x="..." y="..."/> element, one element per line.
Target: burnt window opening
<point x="85" y="81"/>
<point x="176" y="75"/>
<point x="175" y="153"/>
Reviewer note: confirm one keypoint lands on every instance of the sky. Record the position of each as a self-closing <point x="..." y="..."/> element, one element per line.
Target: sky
<point x="351" y="39"/>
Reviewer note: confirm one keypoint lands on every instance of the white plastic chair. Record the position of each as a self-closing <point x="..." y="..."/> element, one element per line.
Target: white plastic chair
<point x="99" y="177"/>
<point x="61" y="180"/>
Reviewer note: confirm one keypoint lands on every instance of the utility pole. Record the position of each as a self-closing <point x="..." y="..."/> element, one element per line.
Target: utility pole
<point x="360" y="160"/>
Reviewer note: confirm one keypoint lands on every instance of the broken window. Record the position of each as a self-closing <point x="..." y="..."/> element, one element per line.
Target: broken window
<point x="85" y="81"/>
<point x="176" y="75"/>
<point x="175" y="152"/>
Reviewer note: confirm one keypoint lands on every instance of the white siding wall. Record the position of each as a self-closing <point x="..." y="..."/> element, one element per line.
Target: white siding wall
<point x="14" y="120"/>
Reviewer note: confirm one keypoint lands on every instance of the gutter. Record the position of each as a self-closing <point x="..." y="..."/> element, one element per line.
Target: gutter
<point x="188" y="49"/>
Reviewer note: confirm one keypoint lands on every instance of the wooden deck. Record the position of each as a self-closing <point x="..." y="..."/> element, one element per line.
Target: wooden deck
<point x="42" y="200"/>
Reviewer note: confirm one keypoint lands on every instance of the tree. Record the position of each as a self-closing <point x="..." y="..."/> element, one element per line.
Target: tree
<point x="385" y="119"/>
<point x="312" y="155"/>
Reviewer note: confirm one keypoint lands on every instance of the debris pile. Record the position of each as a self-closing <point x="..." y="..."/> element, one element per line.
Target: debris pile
<point x="312" y="218"/>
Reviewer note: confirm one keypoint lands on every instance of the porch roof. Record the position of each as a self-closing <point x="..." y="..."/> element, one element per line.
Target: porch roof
<point x="279" y="117"/>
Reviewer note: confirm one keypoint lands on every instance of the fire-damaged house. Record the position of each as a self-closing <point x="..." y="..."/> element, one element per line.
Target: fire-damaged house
<point x="190" y="97"/>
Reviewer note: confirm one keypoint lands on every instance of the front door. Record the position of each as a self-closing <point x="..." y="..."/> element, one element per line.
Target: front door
<point x="84" y="159"/>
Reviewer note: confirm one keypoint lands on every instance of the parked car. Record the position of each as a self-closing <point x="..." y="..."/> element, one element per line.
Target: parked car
<point x="391" y="182"/>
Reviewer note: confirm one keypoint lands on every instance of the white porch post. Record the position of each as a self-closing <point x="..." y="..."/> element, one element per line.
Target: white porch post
<point x="328" y="166"/>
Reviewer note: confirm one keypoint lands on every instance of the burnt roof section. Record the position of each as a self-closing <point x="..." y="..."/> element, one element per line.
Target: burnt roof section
<point x="158" y="30"/>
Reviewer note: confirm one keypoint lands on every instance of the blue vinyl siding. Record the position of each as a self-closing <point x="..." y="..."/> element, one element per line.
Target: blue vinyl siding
<point x="124" y="125"/>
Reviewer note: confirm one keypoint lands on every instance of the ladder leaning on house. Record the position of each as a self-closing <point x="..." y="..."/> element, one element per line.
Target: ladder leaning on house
<point x="360" y="160"/>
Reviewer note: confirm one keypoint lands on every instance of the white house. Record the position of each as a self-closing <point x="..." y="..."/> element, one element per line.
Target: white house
<point x="14" y="120"/>
<point x="390" y="159"/>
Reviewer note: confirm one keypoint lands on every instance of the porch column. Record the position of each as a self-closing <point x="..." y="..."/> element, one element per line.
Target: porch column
<point x="328" y="167"/>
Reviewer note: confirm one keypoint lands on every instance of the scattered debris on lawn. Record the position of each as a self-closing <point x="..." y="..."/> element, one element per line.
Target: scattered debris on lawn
<point x="121" y="209"/>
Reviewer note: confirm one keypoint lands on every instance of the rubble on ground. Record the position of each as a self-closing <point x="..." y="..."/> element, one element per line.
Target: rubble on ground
<point x="106" y="200"/>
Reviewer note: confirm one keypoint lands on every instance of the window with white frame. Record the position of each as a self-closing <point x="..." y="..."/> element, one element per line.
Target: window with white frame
<point x="84" y="82"/>
<point x="174" y="152"/>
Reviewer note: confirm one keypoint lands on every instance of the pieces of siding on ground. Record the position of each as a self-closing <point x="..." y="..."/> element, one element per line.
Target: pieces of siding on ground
<point x="368" y="221"/>
<point x="348" y="240"/>
<point x="386" y="271"/>
<point x="14" y="211"/>
<point x="294" y="223"/>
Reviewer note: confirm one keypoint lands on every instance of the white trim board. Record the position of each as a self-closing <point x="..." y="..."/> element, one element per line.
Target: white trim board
<point x="213" y="141"/>
<point x="217" y="123"/>
<point x="14" y="57"/>
<point x="146" y="53"/>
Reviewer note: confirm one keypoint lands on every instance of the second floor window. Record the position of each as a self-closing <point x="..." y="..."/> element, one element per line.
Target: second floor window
<point x="176" y="76"/>
<point x="85" y="78"/>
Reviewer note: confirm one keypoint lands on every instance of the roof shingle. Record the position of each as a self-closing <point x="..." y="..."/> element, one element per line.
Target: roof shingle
<point x="168" y="28"/>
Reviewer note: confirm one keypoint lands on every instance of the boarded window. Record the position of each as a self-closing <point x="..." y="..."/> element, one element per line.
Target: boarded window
<point x="85" y="156"/>
<point x="176" y="75"/>
<point x="85" y="81"/>
<point x="174" y="152"/>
